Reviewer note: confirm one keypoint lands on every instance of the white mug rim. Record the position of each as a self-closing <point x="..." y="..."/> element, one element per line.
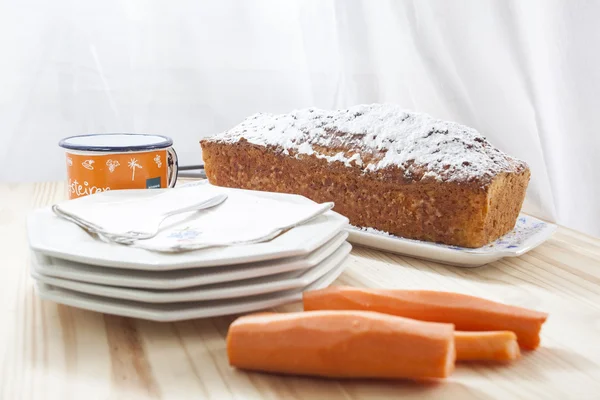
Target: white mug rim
<point x="164" y="142"/>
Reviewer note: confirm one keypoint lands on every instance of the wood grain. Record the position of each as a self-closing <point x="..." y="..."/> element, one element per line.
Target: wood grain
<point x="51" y="351"/>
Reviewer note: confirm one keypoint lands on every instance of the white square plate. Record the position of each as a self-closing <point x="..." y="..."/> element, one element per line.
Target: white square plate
<point x="228" y="290"/>
<point x="529" y="233"/>
<point x="55" y="237"/>
<point x="181" y="311"/>
<point x="168" y="280"/>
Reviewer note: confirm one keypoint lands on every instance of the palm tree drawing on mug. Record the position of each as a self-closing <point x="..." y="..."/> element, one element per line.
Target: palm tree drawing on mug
<point x="133" y="165"/>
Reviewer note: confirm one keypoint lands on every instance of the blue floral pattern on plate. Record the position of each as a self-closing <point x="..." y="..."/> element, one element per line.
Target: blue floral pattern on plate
<point x="184" y="234"/>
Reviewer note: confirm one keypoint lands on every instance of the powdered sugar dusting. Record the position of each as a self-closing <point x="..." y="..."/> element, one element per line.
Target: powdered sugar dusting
<point x="374" y="231"/>
<point x="377" y="136"/>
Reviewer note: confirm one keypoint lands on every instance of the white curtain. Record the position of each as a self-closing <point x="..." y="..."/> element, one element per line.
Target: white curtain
<point x="524" y="73"/>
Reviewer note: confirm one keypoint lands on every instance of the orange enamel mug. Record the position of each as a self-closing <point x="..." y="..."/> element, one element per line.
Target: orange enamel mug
<point x="101" y="162"/>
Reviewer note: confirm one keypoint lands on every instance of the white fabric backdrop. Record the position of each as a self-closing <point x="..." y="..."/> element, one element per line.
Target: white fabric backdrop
<point x="524" y="73"/>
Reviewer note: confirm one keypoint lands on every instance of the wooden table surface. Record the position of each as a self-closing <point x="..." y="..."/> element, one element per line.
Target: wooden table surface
<point x="59" y="352"/>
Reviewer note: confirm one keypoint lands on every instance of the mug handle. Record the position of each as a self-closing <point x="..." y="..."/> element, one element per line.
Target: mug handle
<point x="172" y="176"/>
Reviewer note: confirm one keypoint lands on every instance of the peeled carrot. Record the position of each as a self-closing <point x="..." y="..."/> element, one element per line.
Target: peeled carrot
<point x="467" y="313"/>
<point x="486" y="346"/>
<point x="342" y="344"/>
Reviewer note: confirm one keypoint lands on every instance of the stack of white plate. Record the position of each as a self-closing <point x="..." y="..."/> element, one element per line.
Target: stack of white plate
<point x="72" y="267"/>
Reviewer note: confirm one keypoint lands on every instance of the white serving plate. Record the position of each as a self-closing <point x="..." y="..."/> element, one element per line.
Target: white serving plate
<point x="529" y="233"/>
<point x="183" y="278"/>
<point x="181" y="311"/>
<point x="228" y="290"/>
<point x="54" y="237"/>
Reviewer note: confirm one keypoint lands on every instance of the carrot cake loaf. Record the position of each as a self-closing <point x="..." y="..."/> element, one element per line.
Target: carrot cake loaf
<point x="384" y="167"/>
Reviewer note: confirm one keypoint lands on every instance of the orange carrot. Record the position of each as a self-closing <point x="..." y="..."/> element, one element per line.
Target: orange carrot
<point x="342" y="344"/>
<point x="467" y="313"/>
<point x="486" y="346"/>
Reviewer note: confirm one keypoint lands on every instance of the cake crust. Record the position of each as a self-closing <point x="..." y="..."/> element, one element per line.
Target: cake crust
<point x="470" y="195"/>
